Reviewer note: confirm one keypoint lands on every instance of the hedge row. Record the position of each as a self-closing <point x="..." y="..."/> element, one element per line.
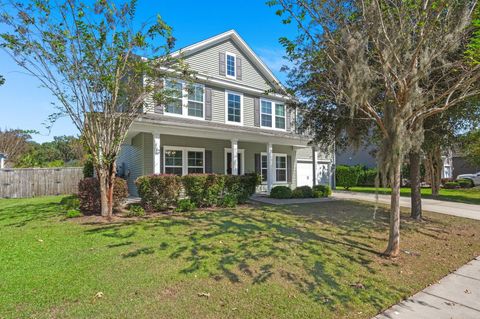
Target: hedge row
<point x="350" y="176"/>
<point x="284" y="192"/>
<point x="89" y="194"/>
<point x="160" y="192"/>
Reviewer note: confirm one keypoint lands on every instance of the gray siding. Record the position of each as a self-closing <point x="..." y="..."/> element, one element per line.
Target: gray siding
<point x="132" y="157"/>
<point x="206" y="62"/>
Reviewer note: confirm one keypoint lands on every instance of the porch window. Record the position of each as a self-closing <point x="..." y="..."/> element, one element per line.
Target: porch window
<point x="195" y="162"/>
<point x="174" y="93"/>
<point x="280" y="168"/>
<point x="174" y="162"/>
<point x="234" y="108"/>
<point x="195" y="100"/>
<point x="264" y="168"/>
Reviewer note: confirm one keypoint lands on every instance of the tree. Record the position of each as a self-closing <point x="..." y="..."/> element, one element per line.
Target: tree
<point x="14" y="143"/>
<point x="90" y="56"/>
<point x="383" y="60"/>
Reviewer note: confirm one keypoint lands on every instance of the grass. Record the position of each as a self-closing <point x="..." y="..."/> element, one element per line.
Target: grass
<point x="464" y="195"/>
<point x="300" y="261"/>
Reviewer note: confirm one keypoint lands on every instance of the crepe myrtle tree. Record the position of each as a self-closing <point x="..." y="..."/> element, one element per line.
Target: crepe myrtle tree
<point x="90" y="56"/>
<point x="393" y="62"/>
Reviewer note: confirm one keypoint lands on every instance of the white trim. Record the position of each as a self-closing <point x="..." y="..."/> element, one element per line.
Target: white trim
<point x="226" y="108"/>
<point x="274" y="156"/>
<point x="242" y="158"/>
<point x="241" y="43"/>
<point x="185" y="101"/>
<point x="185" y="151"/>
<point x="234" y="76"/>
<point x="273" y="115"/>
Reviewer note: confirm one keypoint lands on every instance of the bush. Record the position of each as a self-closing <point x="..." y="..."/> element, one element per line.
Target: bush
<point x="241" y="187"/>
<point x="347" y="176"/>
<point x="281" y="192"/>
<point x="88" y="168"/>
<point x="451" y="185"/>
<point x="445" y="180"/>
<point x="185" y="205"/>
<point x="135" y="211"/>
<point x="302" y="192"/>
<point x="229" y="200"/>
<point x="321" y="191"/>
<point x="204" y="190"/>
<point x="70" y="202"/>
<point x="89" y="194"/>
<point x="158" y="192"/>
<point x="72" y="213"/>
<point x="465" y="183"/>
<point x="367" y="177"/>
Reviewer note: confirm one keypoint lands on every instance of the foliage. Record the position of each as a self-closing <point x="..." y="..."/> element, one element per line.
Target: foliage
<point x="158" y="192"/>
<point x="347" y="176"/>
<point x="185" y="205"/>
<point x="241" y="187"/>
<point x="302" y="192"/>
<point x="322" y="191"/>
<point x="204" y="190"/>
<point x="367" y="176"/>
<point x="135" y="211"/>
<point x="2" y="80"/>
<point x="281" y="192"/>
<point x="229" y="200"/>
<point x="88" y="169"/>
<point x="89" y="194"/>
<point x="70" y="202"/>
<point x="73" y="213"/>
<point x="451" y="185"/>
<point x="90" y="58"/>
<point x="14" y="144"/>
<point x="465" y="183"/>
<point x="470" y="145"/>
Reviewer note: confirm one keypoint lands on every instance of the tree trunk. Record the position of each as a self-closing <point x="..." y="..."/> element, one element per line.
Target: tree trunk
<point x="393" y="248"/>
<point x="437" y="165"/>
<point x="416" y="195"/>
<point x="106" y="177"/>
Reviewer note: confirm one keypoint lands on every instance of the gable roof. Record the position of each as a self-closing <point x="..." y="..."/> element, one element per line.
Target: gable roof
<point x="237" y="39"/>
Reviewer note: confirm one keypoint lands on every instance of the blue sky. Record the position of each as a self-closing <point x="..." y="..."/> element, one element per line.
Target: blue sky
<point x="23" y="104"/>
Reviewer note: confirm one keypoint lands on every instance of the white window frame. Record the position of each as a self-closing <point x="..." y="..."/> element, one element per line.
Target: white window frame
<point x="185" y="151"/>
<point x="242" y="159"/>
<point x="227" y="92"/>
<point x="275" y="155"/>
<point x="274" y="122"/>
<point x="234" y="76"/>
<point x="274" y="116"/>
<point x="185" y="100"/>
<point x="165" y="150"/>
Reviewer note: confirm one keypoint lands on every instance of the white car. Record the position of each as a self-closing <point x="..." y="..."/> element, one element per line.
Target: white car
<point x="475" y="178"/>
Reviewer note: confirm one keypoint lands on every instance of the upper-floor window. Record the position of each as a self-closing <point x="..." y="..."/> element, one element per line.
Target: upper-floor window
<point x="234" y="103"/>
<point x="185" y="99"/>
<point x="231" y="65"/>
<point x="272" y="115"/>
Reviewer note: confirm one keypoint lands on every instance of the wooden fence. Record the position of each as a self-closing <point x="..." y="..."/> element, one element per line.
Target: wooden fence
<point x="30" y="182"/>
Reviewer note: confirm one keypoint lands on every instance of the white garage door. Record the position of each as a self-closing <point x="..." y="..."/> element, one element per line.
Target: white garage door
<point x="305" y="173"/>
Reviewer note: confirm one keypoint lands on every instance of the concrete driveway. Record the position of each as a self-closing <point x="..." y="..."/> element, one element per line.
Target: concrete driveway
<point x="432" y="205"/>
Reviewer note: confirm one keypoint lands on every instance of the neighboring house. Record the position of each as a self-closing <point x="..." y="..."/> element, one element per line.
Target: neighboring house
<point x="227" y="112"/>
<point x="461" y="166"/>
<point x="363" y="156"/>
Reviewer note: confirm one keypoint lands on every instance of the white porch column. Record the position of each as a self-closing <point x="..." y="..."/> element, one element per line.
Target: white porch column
<point x="234" y="156"/>
<point x="315" y="165"/>
<point x="156" y="154"/>
<point x="269" y="167"/>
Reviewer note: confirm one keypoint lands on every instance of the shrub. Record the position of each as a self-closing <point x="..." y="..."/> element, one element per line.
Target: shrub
<point x="367" y="177"/>
<point x="158" y="192"/>
<point x="89" y="194"/>
<point x="302" y="192"/>
<point x="203" y="189"/>
<point x="347" y="176"/>
<point x="241" y="186"/>
<point x="72" y="213"/>
<point x="445" y="180"/>
<point x="135" y="211"/>
<point x="321" y="191"/>
<point x="465" y="183"/>
<point x="70" y="202"/>
<point x="281" y="192"/>
<point x="185" y="205"/>
<point x="451" y="185"/>
<point x="88" y="168"/>
<point x="229" y="200"/>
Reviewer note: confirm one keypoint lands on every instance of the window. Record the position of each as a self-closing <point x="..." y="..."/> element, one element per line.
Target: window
<point x="280" y="116"/>
<point x="272" y="115"/>
<point x="183" y="160"/>
<point x="173" y="162"/>
<point x="231" y="65"/>
<point x="266" y="113"/>
<point x="234" y="107"/>
<point x="174" y="93"/>
<point x="264" y="168"/>
<point x="229" y="164"/>
<point x="195" y="100"/>
<point x="195" y="162"/>
<point x="280" y="168"/>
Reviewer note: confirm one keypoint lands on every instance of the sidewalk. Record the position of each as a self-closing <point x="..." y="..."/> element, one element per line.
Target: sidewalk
<point x="432" y="205"/>
<point x="457" y="296"/>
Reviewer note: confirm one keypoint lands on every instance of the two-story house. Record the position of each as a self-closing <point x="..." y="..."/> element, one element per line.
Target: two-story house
<point x="227" y="124"/>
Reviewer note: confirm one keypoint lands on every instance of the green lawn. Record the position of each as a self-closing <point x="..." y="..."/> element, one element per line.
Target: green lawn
<point x="300" y="261"/>
<point x="465" y="195"/>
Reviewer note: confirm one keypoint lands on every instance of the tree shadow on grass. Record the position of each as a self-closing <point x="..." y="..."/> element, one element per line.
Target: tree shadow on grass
<point x="14" y="214"/>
